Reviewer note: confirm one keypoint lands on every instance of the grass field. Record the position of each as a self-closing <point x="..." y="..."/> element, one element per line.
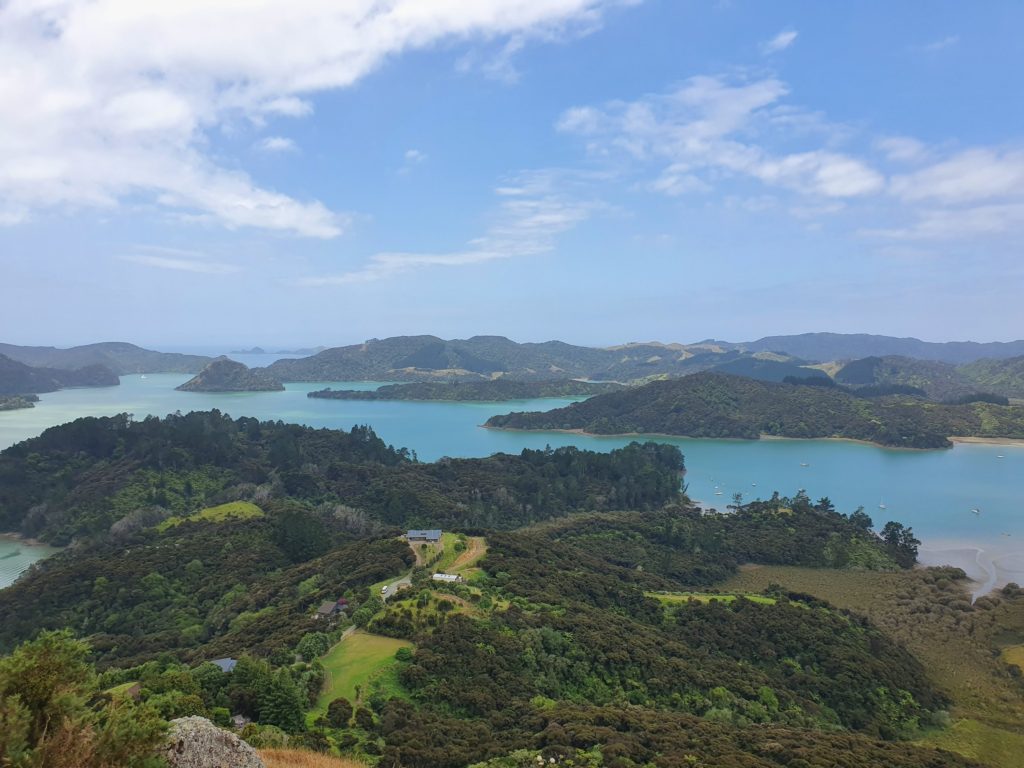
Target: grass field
<point x="465" y="563"/>
<point x="298" y="758"/>
<point x="1014" y="654"/>
<point x="351" y="663"/>
<point x="984" y="743"/>
<point x="238" y="510"/>
<point x="707" y="597"/>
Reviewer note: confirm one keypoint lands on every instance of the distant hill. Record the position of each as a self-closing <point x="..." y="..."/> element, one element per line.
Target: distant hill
<point x="120" y="357"/>
<point x="822" y="347"/>
<point x="717" y="405"/>
<point x="418" y="358"/>
<point x="16" y="378"/>
<point x="225" y="375"/>
<point x="938" y="380"/>
<point x="1001" y="377"/>
<point x="470" y="391"/>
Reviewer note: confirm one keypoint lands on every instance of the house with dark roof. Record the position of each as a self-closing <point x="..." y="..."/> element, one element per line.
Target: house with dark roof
<point x="329" y="608"/>
<point x="430" y="536"/>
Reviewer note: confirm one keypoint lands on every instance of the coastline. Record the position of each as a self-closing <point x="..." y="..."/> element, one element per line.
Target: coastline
<point x="26" y="540"/>
<point x="763" y="436"/>
<point x="1011" y="441"/>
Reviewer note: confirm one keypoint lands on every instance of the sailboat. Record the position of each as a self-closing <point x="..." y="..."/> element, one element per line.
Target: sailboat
<point x="881" y="505"/>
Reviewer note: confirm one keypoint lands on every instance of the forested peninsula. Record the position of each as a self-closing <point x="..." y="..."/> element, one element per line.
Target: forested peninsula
<point x="470" y="391"/>
<point x="573" y="634"/>
<point x="724" y="406"/>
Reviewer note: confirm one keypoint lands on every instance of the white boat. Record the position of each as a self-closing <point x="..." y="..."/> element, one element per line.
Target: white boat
<point x="881" y="505"/>
<point x="976" y="511"/>
<point x="143" y="376"/>
<point x="1000" y="456"/>
<point x="804" y="464"/>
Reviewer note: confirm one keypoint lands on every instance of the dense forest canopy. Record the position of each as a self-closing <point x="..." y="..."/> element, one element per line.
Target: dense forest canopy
<point x="467" y="391"/>
<point x="717" y="405"/>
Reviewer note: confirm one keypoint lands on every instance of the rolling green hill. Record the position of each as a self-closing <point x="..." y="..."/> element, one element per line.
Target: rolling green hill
<point x="484" y="391"/>
<point x="120" y="357"/>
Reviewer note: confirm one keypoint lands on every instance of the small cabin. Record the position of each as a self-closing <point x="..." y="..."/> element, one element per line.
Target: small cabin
<point x="429" y="536"/>
<point x="447" y="578"/>
<point x="329" y="608"/>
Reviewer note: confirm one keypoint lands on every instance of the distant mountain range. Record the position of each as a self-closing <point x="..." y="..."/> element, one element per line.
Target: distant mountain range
<point x="120" y="357"/>
<point x="823" y="347"/>
<point x="19" y="379"/>
<point x="416" y="358"/>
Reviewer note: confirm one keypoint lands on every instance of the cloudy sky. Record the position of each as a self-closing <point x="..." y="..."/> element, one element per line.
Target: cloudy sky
<point x="314" y="172"/>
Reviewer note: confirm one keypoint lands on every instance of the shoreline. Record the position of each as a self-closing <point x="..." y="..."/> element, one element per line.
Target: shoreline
<point x="26" y="540"/>
<point x="954" y="439"/>
<point x="1010" y="441"/>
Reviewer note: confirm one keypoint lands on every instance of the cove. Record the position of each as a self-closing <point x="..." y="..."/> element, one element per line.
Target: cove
<point x="933" y="491"/>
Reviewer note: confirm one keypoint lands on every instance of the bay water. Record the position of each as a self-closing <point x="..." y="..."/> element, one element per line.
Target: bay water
<point x="966" y="504"/>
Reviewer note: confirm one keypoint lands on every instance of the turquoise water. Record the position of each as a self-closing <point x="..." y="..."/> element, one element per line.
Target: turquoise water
<point x="933" y="491"/>
<point x="16" y="556"/>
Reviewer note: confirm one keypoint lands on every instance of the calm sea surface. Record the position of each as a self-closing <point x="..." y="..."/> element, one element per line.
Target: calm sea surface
<point x="933" y="491"/>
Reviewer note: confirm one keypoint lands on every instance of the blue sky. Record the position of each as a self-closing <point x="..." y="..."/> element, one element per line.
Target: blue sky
<point x="598" y="171"/>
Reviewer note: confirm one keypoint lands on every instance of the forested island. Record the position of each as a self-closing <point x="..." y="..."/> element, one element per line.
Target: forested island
<point x="14" y="402"/>
<point x="226" y="375"/>
<point x="724" y="406"/>
<point x="468" y="391"/>
<point x="605" y="638"/>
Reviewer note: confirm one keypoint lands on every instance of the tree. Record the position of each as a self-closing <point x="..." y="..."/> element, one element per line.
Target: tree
<point x="901" y="543"/>
<point x="51" y="713"/>
<point x="313" y="645"/>
<point x="861" y="519"/>
<point x="282" y="704"/>
<point x="339" y="712"/>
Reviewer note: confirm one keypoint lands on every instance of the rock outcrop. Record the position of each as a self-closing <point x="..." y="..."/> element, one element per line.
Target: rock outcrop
<point x="195" y="742"/>
<point x="226" y="375"/>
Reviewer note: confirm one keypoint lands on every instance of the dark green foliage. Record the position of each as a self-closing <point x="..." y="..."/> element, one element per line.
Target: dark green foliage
<point x="81" y="478"/>
<point x="485" y="391"/>
<point x="901" y="543"/>
<point x="713" y="405"/>
<point x="1002" y="377"/>
<point x="339" y="712"/>
<point x="52" y="713"/>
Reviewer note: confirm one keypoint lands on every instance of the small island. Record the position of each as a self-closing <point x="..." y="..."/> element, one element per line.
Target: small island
<point x="723" y="406"/>
<point x="253" y="351"/>
<point x="226" y="375"/>
<point x="14" y="402"/>
<point x="495" y="390"/>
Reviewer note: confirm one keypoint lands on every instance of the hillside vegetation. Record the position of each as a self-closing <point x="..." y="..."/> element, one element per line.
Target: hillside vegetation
<point x="225" y="375"/>
<point x="716" y="405"/>
<point x="417" y="358"/>
<point x="118" y="356"/>
<point x="19" y="379"/>
<point x="484" y="391"/>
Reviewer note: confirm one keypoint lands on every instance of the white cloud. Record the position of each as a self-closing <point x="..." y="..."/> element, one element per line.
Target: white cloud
<point x="532" y="213"/>
<point x="105" y="100"/>
<point x="902" y="149"/>
<point x="177" y="263"/>
<point x="972" y="175"/>
<point x="705" y="130"/>
<point x="941" y="44"/>
<point x="958" y="223"/>
<point x="276" y="144"/>
<point x="780" y="42"/>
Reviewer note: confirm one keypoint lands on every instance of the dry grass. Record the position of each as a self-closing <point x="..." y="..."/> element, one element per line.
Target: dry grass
<point x="298" y="758"/>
